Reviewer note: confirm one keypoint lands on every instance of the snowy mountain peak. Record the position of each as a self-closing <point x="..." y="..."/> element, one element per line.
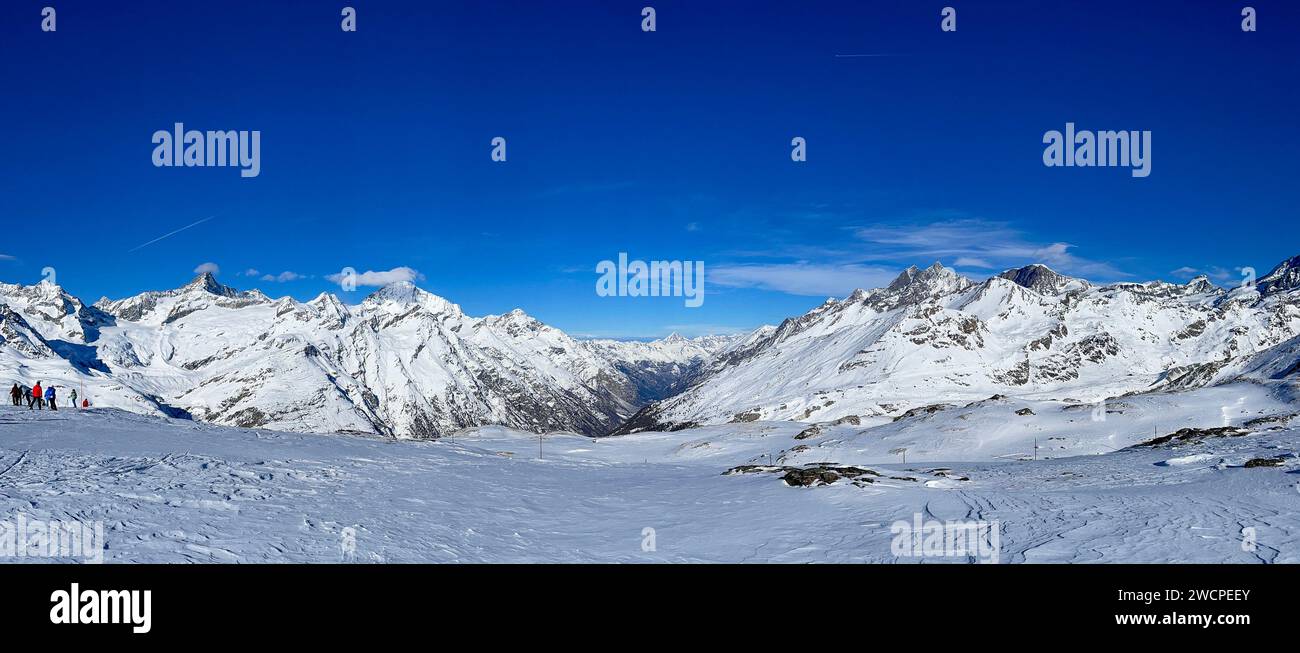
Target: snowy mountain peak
<point x="904" y="278"/>
<point x="913" y="274"/>
<point x="325" y="299"/>
<point x="1200" y="284"/>
<point x="915" y="286"/>
<point x="208" y="283"/>
<point x="403" y="294"/>
<point x="1043" y="280"/>
<point x="1283" y="278"/>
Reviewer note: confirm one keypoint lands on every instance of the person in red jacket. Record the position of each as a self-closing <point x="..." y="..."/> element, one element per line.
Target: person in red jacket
<point x="38" y="397"/>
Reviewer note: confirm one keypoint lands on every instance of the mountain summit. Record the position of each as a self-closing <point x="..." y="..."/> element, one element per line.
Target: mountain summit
<point x="1043" y="280"/>
<point x="1283" y="278"/>
<point x="206" y="282"/>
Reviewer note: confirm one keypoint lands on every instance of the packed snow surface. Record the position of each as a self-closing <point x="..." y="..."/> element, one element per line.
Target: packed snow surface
<point x="173" y="490"/>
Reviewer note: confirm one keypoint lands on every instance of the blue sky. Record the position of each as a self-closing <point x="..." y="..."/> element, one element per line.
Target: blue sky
<point x="666" y="145"/>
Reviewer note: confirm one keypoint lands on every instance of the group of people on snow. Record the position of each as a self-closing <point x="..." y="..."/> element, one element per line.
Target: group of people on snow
<point x="37" y="397"/>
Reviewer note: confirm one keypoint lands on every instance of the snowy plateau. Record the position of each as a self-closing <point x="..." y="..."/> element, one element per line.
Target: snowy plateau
<point x="1129" y="422"/>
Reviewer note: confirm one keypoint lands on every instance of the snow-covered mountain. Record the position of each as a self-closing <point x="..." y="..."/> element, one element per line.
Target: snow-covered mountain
<point x="933" y="336"/>
<point x="407" y="363"/>
<point x="404" y="362"/>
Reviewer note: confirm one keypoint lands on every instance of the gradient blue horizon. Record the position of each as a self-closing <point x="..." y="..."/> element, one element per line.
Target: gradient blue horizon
<point x="668" y="145"/>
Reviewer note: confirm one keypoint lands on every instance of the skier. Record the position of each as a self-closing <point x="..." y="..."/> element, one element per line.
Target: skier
<point x="37" y="397"/>
<point x="16" y="394"/>
<point x="51" y="398"/>
<point x="27" y="396"/>
<point x="74" y="397"/>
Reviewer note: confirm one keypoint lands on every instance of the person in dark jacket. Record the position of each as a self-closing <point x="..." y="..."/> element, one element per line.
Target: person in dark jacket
<point x="16" y="394"/>
<point x="74" y="397"/>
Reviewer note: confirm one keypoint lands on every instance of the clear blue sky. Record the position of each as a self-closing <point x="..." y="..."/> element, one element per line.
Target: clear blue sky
<point x="665" y="145"/>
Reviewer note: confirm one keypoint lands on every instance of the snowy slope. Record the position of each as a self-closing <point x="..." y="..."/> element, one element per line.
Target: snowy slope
<point x="933" y="336"/>
<point x="181" y="491"/>
<point x="404" y="362"/>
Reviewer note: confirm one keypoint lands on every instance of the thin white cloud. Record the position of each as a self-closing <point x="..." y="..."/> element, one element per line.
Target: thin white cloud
<point x="282" y="277"/>
<point x="250" y="272"/>
<point x="995" y="244"/>
<point x="6" y="257"/>
<point x="972" y="262"/>
<point x="1214" y="272"/>
<point x="208" y="268"/>
<point x="381" y="278"/>
<point x="803" y="278"/>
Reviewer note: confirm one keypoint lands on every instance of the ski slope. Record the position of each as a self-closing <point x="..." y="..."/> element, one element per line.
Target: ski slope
<point x="181" y="491"/>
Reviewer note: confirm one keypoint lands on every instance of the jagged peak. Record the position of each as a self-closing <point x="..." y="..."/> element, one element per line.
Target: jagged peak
<point x="207" y="282"/>
<point x="1042" y="279"/>
<point x="405" y="293"/>
<point x="1200" y="283"/>
<point x="325" y="299"/>
<point x="1282" y="278"/>
<point x="904" y="278"/>
<point x="935" y="276"/>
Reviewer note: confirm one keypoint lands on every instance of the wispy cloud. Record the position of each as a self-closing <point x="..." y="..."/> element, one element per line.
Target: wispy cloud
<point x="802" y="278"/>
<point x="6" y="257"/>
<point x="972" y="242"/>
<point x="381" y="278"/>
<point x="972" y="262"/>
<point x="282" y="277"/>
<point x="208" y="268"/>
<point x="872" y="255"/>
<point x="1214" y="272"/>
<point x="250" y="272"/>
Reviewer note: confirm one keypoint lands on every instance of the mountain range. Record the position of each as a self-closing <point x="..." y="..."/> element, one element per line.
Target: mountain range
<point x="407" y="363"/>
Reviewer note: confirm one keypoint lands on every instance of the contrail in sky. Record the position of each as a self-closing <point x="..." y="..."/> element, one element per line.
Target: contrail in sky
<point x="169" y="235"/>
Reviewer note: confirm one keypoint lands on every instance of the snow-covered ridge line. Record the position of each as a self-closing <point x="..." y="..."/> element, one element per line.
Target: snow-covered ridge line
<point x="404" y="362"/>
<point x="933" y="336"/>
<point x="407" y="363"/>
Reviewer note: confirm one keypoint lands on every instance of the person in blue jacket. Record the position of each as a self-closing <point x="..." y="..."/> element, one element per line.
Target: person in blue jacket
<point x="50" y="397"/>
